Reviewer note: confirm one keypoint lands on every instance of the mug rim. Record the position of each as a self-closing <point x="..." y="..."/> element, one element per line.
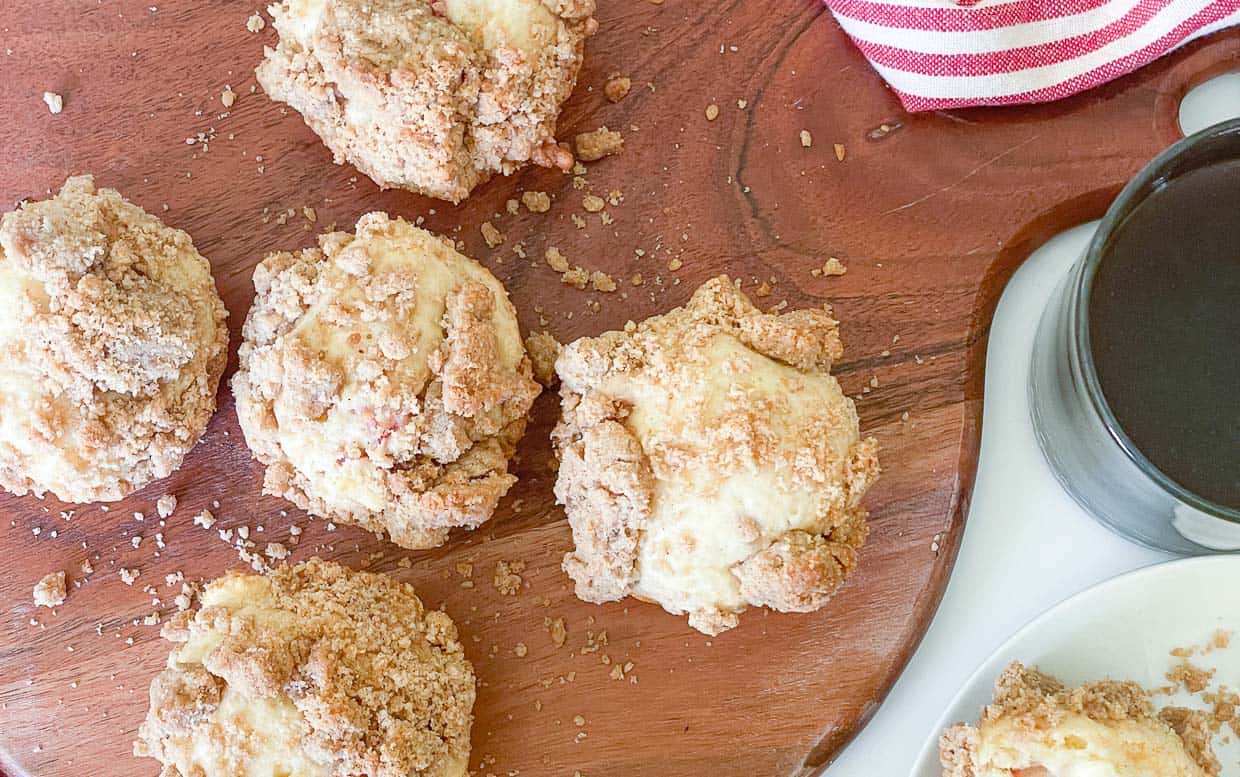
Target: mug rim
<point x="1133" y="193"/>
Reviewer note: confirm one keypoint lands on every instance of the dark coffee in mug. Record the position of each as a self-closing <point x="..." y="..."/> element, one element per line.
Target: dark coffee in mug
<point x="1164" y="329"/>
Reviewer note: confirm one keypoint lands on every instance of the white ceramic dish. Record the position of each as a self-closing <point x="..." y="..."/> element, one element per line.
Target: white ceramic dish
<point x="1124" y="629"/>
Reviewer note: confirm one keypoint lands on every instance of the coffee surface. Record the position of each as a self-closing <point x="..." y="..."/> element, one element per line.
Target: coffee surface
<point x="1164" y="324"/>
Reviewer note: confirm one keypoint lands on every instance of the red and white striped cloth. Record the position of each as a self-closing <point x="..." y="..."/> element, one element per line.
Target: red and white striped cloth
<point x="940" y="54"/>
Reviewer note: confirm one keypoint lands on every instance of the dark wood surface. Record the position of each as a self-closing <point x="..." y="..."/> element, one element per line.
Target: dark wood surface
<point x="930" y="216"/>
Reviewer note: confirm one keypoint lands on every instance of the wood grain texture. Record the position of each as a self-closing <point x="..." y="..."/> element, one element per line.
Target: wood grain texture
<point x="930" y="216"/>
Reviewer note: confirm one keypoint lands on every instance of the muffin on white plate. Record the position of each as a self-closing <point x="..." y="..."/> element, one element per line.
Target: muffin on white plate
<point x="312" y="671"/>
<point x="433" y="96"/>
<point x="1036" y="727"/>
<point x="710" y="462"/>
<point x="383" y="382"/>
<point x="112" y="349"/>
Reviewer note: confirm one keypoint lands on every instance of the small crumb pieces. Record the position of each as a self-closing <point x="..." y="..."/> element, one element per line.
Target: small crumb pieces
<point x="617" y="88"/>
<point x="520" y="650"/>
<point x="507" y="578"/>
<point x="593" y="203"/>
<point x="86" y="567"/>
<point x="255" y="23"/>
<point x="576" y="277"/>
<point x="537" y="202"/>
<point x="557" y="630"/>
<point x="492" y="235"/>
<point x="55" y="103"/>
<point x="807" y="139"/>
<point x="839" y="152"/>
<point x="543" y="350"/>
<point x="555" y="260"/>
<point x="1193" y="678"/>
<point x="465" y="569"/>
<point x="204" y="519"/>
<point x="276" y="551"/>
<point x="228" y="96"/>
<point x="834" y="266"/>
<point x="166" y="505"/>
<point x="128" y="576"/>
<point x="712" y="112"/>
<point x="601" y="281"/>
<point x="592" y="146"/>
<point x="50" y="591"/>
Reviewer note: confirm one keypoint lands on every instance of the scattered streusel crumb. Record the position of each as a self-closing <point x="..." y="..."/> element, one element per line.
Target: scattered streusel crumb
<point x="166" y="505"/>
<point x="536" y="202"/>
<point x="712" y="112"/>
<point x="834" y="266"/>
<point x="617" y="88"/>
<point x="255" y="23"/>
<point x="592" y="146"/>
<point x="228" y="96"/>
<point x="128" y="576"/>
<point x="543" y="350"/>
<point x="55" y="103"/>
<point x="601" y="281"/>
<point x="205" y="519"/>
<point x="51" y="590"/>
<point x="593" y="203"/>
<point x="839" y="151"/>
<point x="507" y="579"/>
<point x="492" y="235"/>
<point x="557" y="630"/>
<point x="555" y="260"/>
<point x="1193" y="678"/>
<point x="807" y="139"/>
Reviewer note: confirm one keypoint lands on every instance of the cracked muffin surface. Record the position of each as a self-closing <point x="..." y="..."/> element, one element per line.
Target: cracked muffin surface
<point x="113" y="349"/>
<point x="709" y="461"/>
<point x="1037" y="727"/>
<point x="430" y="96"/>
<point x="383" y="382"/>
<point x="312" y="671"/>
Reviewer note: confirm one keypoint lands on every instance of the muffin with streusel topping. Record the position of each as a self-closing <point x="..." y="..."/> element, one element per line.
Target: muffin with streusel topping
<point x="434" y="96"/>
<point x="112" y="349"/>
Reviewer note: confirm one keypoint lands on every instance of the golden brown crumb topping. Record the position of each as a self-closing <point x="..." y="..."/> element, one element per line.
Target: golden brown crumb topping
<point x="430" y="96"/>
<point x="709" y="460"/>
<point x="1035" y="721"/>
<point x="383" y="381"/>
<point x="115" y="345"/>
<point x="313" y="670"/>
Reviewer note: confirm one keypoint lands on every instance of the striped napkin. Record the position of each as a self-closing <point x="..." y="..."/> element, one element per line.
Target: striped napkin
<point x="938" y="54"/>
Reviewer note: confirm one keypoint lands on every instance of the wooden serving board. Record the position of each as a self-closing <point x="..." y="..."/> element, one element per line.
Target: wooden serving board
<point x="930" y="214"/>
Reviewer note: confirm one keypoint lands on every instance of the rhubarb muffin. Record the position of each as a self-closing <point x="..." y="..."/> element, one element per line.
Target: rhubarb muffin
<point x="112" y="348"/>
<point x="710" y="462"/>
<point x="433" y="96"/>
<point x="1036" y="727"/>
<point x="383" y="382"/>
<point x="312" y="671"/>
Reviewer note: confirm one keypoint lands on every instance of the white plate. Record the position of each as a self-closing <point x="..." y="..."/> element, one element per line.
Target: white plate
<point x="1122" y="629"/>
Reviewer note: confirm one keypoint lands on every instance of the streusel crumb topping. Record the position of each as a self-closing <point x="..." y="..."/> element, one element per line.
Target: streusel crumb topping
<point x="383" y="382"/>
<point x="113" y="350"/>
<point x="434" y="96"/>
<point x="709" y="461"/>
<point x="314" y="670"/>
<point x="1036" y="722"/>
